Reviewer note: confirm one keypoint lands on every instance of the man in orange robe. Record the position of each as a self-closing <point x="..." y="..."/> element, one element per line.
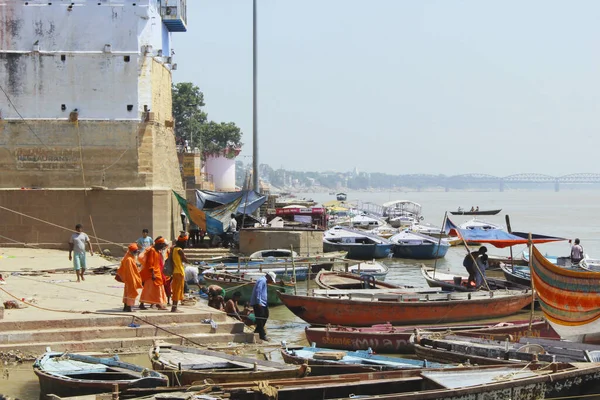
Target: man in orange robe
<point x="130" y="275"/>
<point x="151" y="273"/>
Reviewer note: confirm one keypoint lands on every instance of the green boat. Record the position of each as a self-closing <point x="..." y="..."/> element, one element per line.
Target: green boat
<point x="232" y="283"/>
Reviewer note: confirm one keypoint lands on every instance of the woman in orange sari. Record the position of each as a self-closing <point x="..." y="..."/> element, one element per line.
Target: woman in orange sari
<point x="130" y="276"/>
<point x="151" y="273"/>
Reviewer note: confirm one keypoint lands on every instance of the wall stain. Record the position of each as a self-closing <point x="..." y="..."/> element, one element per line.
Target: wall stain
<point x="39" y="28"/>
<point x="14" y="67"/>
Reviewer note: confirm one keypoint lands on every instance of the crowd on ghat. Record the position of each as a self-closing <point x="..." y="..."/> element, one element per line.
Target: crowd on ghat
<point x="158" y="268"/>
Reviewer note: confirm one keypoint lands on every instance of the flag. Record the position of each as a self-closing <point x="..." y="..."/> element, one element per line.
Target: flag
<point x="450" y="227"/>
<point x="204" y="221"/>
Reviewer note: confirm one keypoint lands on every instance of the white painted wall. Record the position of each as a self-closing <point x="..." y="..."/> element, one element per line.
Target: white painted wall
<point x="222" y="170"/>
<point x="98" y="83"/>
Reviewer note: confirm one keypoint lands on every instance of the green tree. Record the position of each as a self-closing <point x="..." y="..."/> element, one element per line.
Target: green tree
<point x="223" y="138"/>
<point x="188" y="101"/>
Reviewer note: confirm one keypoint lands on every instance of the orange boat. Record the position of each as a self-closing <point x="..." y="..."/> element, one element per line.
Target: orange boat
<point x="358" y="309"/>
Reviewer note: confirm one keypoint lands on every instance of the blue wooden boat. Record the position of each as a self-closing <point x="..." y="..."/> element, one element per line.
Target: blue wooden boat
<point x="418" y="246"/>
<point x="323" y="361"/>
<point x="66" y="374"/>
<point x="360" y="245"/>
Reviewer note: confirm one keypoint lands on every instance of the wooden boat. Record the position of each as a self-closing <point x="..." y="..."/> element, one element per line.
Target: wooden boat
<point x="359" y="244"/>
<point x="460" y="349"/>
<point x="341" y="196"/>
<point x="66" y="374"/>
<point x="346" y="280"/>
<point x="418" y="246"/>
<point x="515" y="382"/>
<point x="518" y="274"/>
<point x="323" y="361"/>
<point x="185" y="365"/>
<point x="405" y="308"/>
<point x="232" y="283"/>
<point x="386" y="338"/>
<point x="373" y="268"/>
<point x="460" y="283"/>
<point x="480" y="212"/>
<point x="569" y="298"/>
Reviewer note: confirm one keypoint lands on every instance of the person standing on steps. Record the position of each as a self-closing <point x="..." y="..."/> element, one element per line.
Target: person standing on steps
<point x="152" y="277"/>
<point x="77" y="251"/>
<point x="130" y="276"/>
<point x="258" y="301"/>
<point x="178" y="278"/>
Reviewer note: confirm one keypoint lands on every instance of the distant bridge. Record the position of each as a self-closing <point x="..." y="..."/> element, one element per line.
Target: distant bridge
<point x="467" y="179"/>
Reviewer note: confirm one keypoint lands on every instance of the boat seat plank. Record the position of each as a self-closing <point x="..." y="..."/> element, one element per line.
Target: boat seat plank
<point x="71" y="365"/>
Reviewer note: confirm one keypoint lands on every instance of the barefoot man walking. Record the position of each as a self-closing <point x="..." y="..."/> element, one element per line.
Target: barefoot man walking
<point x="77" y="251"/>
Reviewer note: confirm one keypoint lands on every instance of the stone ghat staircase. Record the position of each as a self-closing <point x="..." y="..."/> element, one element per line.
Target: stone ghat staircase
<point x="112" y="332"/>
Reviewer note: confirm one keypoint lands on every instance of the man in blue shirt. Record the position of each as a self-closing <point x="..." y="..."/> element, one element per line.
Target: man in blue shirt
<point x="145" y="241"/>
<point x="258" y="301"/>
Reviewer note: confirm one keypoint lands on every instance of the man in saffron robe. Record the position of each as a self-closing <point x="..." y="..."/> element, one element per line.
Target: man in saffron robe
<point x="151" y="273"/>
<point x="177" y="280"/>
<point x="130" y="275"/>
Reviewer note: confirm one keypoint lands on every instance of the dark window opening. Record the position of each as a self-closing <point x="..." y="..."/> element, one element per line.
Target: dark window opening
<point x="129" y="107"/>
<point x="126" y="58"/>
<point x="63" y="107"/>
<point x="63" y="57"/>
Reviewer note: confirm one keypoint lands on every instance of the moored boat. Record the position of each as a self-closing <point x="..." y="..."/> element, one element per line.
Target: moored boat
<point x="359" y="244"/>
<point x="185" y="365"/>
<point x="518" y="274"/>
<point x="324" y="361"/>
<point x="348" y="280"/>
<point x="372" y="308"/>
<point x="460" y="283"/>
<point x="232" y="283"/>
<point x="70" y="374"/>
<point x="418" y="246"/>
<point x="386" y="338"/>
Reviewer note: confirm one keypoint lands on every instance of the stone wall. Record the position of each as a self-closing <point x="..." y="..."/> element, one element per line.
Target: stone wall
<point x="118" y="216"/>
<point x="304" y="241"/>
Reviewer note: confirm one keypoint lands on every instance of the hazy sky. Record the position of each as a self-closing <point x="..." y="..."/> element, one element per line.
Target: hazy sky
<point x="403" y="86"/>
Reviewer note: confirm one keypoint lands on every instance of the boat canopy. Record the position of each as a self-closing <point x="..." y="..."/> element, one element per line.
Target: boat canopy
<point x="496" y="237"/>
<point x="402" y="204"/>
<point x="250" y="200"/>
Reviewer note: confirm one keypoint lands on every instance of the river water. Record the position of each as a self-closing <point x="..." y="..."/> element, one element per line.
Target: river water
<point x="567" y="214"/>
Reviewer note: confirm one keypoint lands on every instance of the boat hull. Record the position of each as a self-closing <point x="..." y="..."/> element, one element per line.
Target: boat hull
<point x="483" y="212"/>
<point x="233" y="284"/>
<point x="421" y="252"/>
<point x="358" y="251"/>
<point x="324" y="310"/>
<point x="389" y="339"/>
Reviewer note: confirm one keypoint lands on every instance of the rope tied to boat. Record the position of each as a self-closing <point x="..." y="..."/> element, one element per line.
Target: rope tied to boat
<point x="263" y="387"/>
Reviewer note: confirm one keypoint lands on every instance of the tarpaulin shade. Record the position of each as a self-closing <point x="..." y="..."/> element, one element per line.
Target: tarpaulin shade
<point x="250" y="201"/>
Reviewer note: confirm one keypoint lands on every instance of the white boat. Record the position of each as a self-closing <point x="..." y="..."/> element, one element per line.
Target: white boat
<point x="374" y="268"/>
<point x="385" y="231"/>
<point x="402" y="213"/>
<point x="425" y="228"/>
<point x="276" y="253"/>
<point x="478" y="224"/>
<point x="418" y="246"/>
<point x="364" y="221"/>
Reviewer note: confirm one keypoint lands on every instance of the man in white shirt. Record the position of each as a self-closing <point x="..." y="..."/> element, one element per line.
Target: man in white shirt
<point x="77" y="251"/>
<point x="233" y="224"/>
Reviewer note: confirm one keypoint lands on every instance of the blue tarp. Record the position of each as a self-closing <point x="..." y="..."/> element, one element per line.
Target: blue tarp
<point x="496" y="237"/>
<point x="250" y="200"/>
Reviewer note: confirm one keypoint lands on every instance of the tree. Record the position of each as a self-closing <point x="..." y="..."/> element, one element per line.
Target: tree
<point x="191" y="123"/>
<point x="224" y="138"/>
<point x="189" y="117"/>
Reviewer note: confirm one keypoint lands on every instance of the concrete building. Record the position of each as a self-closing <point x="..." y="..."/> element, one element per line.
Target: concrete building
<point x="86" y="104"/>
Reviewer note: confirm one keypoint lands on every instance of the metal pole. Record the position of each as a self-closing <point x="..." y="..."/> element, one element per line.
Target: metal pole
<point x="255" y="179"/>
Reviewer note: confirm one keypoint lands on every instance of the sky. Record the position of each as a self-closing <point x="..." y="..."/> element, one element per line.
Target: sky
<point x="403" y="87"/>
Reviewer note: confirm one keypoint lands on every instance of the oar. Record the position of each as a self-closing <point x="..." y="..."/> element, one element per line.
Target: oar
<point x="512" y="264"/>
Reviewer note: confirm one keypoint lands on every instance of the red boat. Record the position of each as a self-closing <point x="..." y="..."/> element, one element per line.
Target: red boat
<point x="386" y="338"/>
<point x="357" y="309"/>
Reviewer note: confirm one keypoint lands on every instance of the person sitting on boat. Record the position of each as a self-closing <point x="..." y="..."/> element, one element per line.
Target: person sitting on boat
<point x="480" y="270"/>
<point x="470" y="265"/>
<point x="576" y="252"/>
<point x="472" y="208"/>
<point x="477" y="208"/>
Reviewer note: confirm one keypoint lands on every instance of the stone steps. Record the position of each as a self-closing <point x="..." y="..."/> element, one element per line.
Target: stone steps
<point x="112" y="331"/>
<point x="38" y="348"/>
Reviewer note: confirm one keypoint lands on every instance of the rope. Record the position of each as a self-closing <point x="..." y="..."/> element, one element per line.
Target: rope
<point x="81" y="157"/>
<point x="53" y="224"/>
<point x="20" y="116"/>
